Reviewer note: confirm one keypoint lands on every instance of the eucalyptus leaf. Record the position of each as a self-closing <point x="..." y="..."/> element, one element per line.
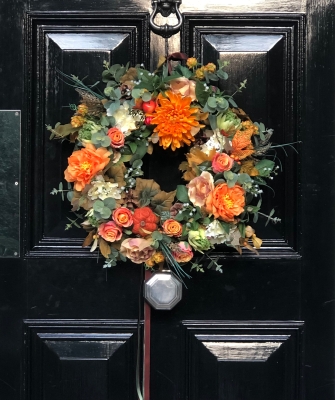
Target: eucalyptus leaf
<point x="182" y="194"/>
<point x="110" y="203"/>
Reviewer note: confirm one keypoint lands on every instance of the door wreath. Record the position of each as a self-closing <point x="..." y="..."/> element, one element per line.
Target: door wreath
<point x="128" y="217"/>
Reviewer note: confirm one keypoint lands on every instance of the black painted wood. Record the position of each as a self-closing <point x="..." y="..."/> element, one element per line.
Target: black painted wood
<point x="61" y="314"/>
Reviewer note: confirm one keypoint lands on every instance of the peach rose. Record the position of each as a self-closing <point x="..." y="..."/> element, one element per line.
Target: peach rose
<point x="110" y="231"/>
<point x="123" y="217"/>
<point x="199" y="188"/>
<point x="181" y="252"/>
<point x="222" y="162"/>
<point x="116" y="137"/>
<point x="137" y="250"/>
<point x="84" y="164"/>
<point x="184" y="87"/>
<point x="225" y="203"/>
<point x="172" y="227"/>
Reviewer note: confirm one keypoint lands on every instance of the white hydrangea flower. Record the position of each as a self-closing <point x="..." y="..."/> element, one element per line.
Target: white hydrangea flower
<point x="101" y="189"/>
<point x="123" y="120"/>
<point x="217" y="235"/>
<point x="217" y="142"/>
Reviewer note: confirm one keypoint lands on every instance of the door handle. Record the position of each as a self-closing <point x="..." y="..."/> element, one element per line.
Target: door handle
<point x="165" y="8"/>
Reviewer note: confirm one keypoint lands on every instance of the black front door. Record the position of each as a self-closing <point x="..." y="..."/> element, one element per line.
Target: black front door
<point x="263" y="328"/>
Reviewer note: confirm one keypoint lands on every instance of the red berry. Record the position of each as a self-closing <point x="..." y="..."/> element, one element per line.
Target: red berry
<point x="148" y="106"/>
<point x="147" y="120"/>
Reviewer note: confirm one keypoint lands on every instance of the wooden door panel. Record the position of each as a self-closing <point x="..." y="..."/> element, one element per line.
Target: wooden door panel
<point x="268" y="51"/>
<point x="235" y="360"/>
<point x="71" y="359"/>
<point x="73" y="44"/>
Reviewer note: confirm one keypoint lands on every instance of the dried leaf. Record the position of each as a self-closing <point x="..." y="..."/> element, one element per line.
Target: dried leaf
<point x="104" y="247"/>
<point x="116" y="174"/>
<point x="241" y="145"/>
<point x="163" y="201"/>
<point x="89" y="239"/>
<point x="145" y="190"/>
<point x="150" y="148"/>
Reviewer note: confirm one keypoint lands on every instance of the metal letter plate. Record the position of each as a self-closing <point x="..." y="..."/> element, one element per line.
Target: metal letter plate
<point x="10" y="143"/>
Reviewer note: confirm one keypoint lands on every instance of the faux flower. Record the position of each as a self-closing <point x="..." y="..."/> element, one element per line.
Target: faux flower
<point x="181" y="252"/>
<point x="200" y="187"/>
<point x="250" y="233"/>
<point x="200" y="73"/>
<point x="184" y="87"/>
<point x="145" y="221"/>
<point x="172" y="227"/>
<point x="101" y="189"/>
<point x="226" y="203"/>
<point x="191" y="62"/>
<point x="176" y="121"/>
<point x="222" y="162"/>
<point x="123" y="217"/>
<point x="77" y="121"/>
<point x="84" y="164"/>
<point x="216" y="141"/>
<point x="82" y="109"/>
<point x="175" y="209"/>
<point x="197" y="239"/>
<point x="116" y="137"/>
<point x="156" y="258"/>
<point x="123" y="119"/>
<point x="210" y="67"/>
<point x="217" y="235"/>
<point x="110" y="231"/>
<point x="138" y="250"/>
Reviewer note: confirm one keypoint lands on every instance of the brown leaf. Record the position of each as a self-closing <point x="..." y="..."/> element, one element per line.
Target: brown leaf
<point x="163" y="201"/>
<point x="116" y="174"/>
<point x="104" y="247"/>
<point x="145" y="190"/>
<point x="150" y="148"/>
<point x="89" y="239"/>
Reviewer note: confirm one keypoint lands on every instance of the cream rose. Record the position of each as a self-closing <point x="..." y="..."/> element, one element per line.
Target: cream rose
<point x="199" y="188"/>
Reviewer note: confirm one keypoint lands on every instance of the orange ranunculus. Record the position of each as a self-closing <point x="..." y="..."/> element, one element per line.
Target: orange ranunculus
<point x="183" y="86"/>
<point x="116" y="137"/>
<point x="199" y="188"/>
<point x="175" y="120"/>
<point x="172" y="227"/>
<point x="225" y="203"/>
<point x="84" y="164"/>
<point x="82" y="109"/>
<point x="123" y="217"/>
<point x="110" y="231"/>
<point x="222" y="162"/>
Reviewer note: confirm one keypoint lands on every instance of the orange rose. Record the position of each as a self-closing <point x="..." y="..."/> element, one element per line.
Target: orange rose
<point x="222" y="162"/>
<point x="225" y="203"/>
<point x="183" y="86"/>
<point x="110" y="231"/>
<point x="181" y="252"/>
<point x="84" y="164"/>
<point x="116" y="137"/>
<point x="172" y="227"/>
<point x="123" y="217"/>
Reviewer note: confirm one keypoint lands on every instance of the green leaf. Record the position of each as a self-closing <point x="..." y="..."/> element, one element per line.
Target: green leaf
<point x="146" y="96"/>
<point x="137" y="164"/>
<point x="225" y="226"/>
<point x="110" y="203"/>
<point x="98" y="205"/>
<point x="105" y="213"/>
<point x="104" y="121"/>
<point x="133" y="146"/>
<point x="182" y="194"/>
<point x="241" y="228"/>
<point x="211" y="102"/>
<point x="232" y="102"/>
<point x="222" y="74"/>
<point x="200" y="92"/>
<point x="157" y="235"/>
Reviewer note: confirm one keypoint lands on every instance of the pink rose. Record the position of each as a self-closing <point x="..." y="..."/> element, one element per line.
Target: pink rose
<point x="200" y="187"/>
<point x="110" y="231"/>
<point x="222" y="162"/>
<point x="181" y="252"/>
<point x="183" y="86"/>
<point x="138" y="250"/>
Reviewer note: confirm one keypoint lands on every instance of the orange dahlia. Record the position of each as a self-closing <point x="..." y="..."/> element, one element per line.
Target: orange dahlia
<point x="225" y="203"/>
<point x="175" y="120"/>
<point x="84" y="164"/>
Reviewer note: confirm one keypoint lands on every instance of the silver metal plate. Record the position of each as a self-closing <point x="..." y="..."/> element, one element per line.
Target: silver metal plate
<point x="10" y="144"/>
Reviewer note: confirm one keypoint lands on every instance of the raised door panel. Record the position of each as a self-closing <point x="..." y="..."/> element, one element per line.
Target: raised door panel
<point x="75" y="44"/>
<point x="267" y="51"/>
